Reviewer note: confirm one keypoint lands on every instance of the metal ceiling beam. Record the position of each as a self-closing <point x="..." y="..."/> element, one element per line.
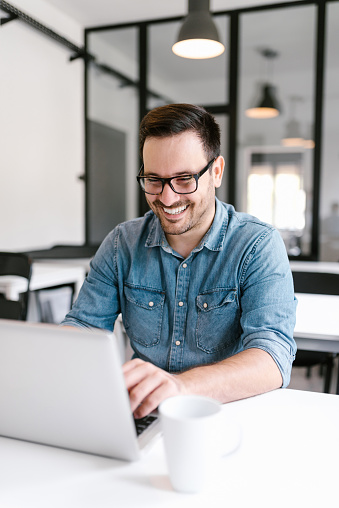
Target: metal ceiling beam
<point x="78" y="52"/>
<point x="15" y="13"/>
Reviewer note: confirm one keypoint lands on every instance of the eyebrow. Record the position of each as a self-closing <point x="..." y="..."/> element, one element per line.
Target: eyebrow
<point x="181" y="173"/>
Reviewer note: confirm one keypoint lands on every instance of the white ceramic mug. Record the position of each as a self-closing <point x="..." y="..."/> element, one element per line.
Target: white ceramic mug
<point x="195" y="434"/>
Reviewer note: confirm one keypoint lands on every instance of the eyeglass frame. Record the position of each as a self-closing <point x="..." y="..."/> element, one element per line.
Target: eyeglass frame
<point x="196" y="177"/>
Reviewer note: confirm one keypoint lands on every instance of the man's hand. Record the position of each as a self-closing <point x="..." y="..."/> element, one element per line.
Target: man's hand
<point x="245" y="374"/>
<point x="148" y="385"/>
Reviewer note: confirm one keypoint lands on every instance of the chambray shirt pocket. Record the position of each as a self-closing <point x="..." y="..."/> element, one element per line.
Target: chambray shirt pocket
<point x="143" y="314"/>
<point x="218" y="320"/>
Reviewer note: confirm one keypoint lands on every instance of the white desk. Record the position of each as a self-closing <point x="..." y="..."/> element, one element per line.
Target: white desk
<point x="287" y="458"/>
<point x="82" y="262"/>
<point x="44" y="275"/>
<point x="317" y="323"/>
<point x="314" y="266"/>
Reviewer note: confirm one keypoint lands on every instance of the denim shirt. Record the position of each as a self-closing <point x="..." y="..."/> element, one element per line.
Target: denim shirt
<point x="233" y="292"/>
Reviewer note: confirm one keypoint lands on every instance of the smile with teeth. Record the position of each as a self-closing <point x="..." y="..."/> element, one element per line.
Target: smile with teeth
<point x="175" y="211"/>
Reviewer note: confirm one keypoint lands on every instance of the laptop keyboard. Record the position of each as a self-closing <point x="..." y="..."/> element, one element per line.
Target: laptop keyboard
<point x="141" y="424"/>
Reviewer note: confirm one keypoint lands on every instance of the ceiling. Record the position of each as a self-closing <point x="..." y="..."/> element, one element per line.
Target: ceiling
<point x="91" y="13"/>
<point x="260" y="29"/>
<point x="269" y="31"/>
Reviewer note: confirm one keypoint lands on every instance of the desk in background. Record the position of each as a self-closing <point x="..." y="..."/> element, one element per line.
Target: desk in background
<point x="69" y="264"/>
<point x="52" y="307"/>
<point x="45" y="275"/>
<point x="317" y="323"/>
<point x="314" y="266"/>
<point x="286" y="458"/>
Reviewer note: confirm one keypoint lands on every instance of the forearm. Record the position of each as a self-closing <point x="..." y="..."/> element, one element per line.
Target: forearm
<point x="248" y="373"/>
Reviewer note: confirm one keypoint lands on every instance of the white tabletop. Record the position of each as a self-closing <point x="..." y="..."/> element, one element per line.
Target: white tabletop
<point x="82" y="262"/>
<point x="314" y="266"/>
<point x="317" y="314"/>
<point x="287" y="457"/>
<point x="317" y="322"/>
<point x="44" y="275"/>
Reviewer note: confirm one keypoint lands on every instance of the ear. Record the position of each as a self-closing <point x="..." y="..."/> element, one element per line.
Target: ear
<point x="218" y="170"/>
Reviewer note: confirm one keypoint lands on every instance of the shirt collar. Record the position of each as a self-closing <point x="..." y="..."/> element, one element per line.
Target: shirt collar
<point x="213" y="239"/>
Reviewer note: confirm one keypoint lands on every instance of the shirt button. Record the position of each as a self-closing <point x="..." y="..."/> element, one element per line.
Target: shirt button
<point x="150" y="304"/>
<point x="177" y="343"/>
<point x="181" y="304"/>
<point x="205" y="305"/>
<point x="184" y="265"/>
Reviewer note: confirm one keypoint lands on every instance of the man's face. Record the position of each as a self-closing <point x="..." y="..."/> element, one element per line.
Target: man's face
<point x="177" y="155"/>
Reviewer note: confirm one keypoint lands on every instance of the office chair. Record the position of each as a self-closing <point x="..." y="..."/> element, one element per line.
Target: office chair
<point x="20" y="265"/>
<point x="321" y="284"/>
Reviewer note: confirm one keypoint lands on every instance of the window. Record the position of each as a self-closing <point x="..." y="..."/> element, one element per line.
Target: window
<point x="276" y="193"/>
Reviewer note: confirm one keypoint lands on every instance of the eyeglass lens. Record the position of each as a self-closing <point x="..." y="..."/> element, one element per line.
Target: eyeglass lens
<point x="181" y="185"/>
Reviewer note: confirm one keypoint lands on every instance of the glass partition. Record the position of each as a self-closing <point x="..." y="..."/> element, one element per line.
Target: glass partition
<point x="274" y="163"/>
<point x="329" y="185"/>
<point x="275" y="172"/>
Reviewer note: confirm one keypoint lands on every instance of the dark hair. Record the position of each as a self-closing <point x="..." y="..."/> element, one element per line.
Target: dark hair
<point x="177" y="118"/>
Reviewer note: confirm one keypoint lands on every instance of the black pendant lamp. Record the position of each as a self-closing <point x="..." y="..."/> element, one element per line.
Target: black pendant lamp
<point x="198" y="37"/>
<point x="267" y="106"/>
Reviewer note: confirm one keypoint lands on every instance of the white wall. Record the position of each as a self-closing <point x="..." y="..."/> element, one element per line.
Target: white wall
<point x="41" y="132"/>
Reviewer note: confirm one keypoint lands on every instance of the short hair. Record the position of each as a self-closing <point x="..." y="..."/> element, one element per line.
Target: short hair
<point x="173" y="119"/>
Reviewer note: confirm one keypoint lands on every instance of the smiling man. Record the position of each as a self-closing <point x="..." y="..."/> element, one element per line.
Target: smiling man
<point x="185" y="203"/>
<point x="206" y="293"/>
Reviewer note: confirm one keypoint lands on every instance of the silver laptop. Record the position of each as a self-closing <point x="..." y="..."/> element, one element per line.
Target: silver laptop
<point x="66" y="388"/>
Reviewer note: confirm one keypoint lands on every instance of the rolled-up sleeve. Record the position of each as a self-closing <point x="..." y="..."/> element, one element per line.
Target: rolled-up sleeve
<point x="98" y="303"/>
<point x="268" y="304"/>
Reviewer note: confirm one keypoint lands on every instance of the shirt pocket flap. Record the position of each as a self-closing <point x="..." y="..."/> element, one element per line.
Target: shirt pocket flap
<point x="143" y="297"/>
<point x="216" y="298"/>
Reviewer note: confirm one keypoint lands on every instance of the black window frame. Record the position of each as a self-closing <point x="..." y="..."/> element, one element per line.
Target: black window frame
<point x="230" y="108"/>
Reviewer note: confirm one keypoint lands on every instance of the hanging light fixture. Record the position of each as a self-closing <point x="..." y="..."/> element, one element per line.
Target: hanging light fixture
<point x="293" y="136"/>
<point x="309" y="143"/>
<point x="198" y="37"/>
<point x="309" y="140"/>
<point x="267" y="106"/>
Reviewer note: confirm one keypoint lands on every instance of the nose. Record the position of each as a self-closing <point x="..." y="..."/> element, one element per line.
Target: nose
<point x="168" y="197"/>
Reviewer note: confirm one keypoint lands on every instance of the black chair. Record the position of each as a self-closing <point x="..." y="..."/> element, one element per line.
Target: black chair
<point x="15" y="264"/>
<point x="320" y="284"/>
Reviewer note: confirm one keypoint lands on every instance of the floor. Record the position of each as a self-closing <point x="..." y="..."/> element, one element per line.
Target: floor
<point x="315" y="383"/>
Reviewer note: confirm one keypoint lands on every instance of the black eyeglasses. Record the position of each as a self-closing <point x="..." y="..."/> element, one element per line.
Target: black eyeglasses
<point x="184" y="184"/>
